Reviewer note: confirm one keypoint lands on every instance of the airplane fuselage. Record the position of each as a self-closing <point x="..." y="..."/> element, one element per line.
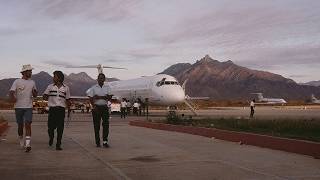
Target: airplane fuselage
<point x="272" y="101"/>
<point x="159" y="89"/>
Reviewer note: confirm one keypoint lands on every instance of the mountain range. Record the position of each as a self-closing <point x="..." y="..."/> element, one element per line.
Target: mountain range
<point x="206" y="77"/>
<point x="226" y="80"/>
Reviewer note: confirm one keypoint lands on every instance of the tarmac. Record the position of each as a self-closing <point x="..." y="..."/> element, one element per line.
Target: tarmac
<point x="142" y="154"/>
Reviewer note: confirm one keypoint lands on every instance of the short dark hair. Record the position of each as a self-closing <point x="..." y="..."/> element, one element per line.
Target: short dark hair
<point x="101" y="74"/>
<point x="60" y="75"/>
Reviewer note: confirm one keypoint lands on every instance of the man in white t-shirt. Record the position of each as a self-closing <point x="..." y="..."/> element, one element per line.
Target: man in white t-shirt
<point x="136" y="107"/>
<point x="99" y="95"/>
<point x="252" y="106"/>
<point x="123" y="107"/>
<point x="21" y="93"/>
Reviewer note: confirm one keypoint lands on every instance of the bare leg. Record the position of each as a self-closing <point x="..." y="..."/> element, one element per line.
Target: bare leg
<point x="28" y="136"/>
<point x="20" y="133"/>
<point x="20" y="129"/>
<point x="28" y="129"/>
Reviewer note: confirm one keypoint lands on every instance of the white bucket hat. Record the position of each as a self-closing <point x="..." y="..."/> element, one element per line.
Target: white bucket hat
<point x="26" y="67"/>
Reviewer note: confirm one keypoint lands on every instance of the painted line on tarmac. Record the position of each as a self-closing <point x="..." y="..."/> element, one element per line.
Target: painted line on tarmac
<point x="117" y="171"/>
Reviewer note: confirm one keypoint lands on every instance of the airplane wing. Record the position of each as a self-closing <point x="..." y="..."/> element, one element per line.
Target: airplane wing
<point x="268" y="103"/>
<point x="197" y="98"/>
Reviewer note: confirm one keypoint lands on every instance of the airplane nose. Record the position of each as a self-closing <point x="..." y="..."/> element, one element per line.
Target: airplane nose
<point x="176" y="96"/>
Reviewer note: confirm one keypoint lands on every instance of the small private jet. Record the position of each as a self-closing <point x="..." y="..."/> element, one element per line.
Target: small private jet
<point x="263" y="100"/>
<point x="314" y="100"/>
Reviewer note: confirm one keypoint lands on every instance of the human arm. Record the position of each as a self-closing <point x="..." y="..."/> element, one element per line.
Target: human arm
<point x="12" y="96"/>
<point x="68" y="96"/>
<point x="90" y="93"/>
<point x="45" y="95"/>
<point x="34" y="90"/>
<point x="12" y="92"/>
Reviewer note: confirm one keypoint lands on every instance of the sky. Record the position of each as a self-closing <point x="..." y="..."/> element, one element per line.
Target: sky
<point x="146" y="37"/>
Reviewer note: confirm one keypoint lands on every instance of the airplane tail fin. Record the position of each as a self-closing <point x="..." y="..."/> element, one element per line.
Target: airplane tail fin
<point x="259" y="95"/>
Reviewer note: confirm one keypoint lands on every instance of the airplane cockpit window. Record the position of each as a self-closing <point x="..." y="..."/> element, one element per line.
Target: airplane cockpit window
<point x="160" y="83"/>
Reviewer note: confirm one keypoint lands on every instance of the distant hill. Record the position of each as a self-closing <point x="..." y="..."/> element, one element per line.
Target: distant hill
<point x="78" y="83"/>
<point x="226" y="80"/>
<point x="312" y="83"/>
<point x="176" y="69"/>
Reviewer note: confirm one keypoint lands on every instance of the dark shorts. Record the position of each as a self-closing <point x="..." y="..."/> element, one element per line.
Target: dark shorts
<point x="23" y="115"/>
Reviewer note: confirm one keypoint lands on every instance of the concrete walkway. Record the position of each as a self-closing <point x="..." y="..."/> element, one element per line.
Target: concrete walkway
<point x="141" y="153"/>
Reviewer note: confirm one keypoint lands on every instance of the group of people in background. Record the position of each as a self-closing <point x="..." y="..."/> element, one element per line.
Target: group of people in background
<point x="58" y="96"/>
<point x="138" y="108"/>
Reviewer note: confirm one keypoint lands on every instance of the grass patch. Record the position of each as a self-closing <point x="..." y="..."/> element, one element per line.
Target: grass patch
<point x="303" y="129"/>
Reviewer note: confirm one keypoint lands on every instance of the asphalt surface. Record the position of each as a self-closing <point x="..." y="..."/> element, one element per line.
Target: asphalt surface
<point x="142" y="154"/>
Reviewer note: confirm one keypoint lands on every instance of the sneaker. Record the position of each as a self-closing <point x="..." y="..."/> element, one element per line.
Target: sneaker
<point x="106" y="145"/>
<point x="28" y="149"/>
<point x="58" y="148"/>
<point x="98" y="145"/>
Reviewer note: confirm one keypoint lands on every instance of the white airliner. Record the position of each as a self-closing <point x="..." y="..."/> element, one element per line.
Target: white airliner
<point x="159" y="89"/>
<point x="314" y="100"/>
<point x="263" y="100"/>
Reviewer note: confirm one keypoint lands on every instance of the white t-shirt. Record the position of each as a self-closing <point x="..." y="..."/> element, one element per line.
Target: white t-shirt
<point x="252" y="104"/>
<point x="99" y="91"/>
<point x="57" y="96"/>
<point x="123" y="104"/>
<point x="136" y="105"/>
<point x="23" y="92"/>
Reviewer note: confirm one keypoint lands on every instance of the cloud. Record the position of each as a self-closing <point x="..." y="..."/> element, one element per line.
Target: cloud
<point x="298" y="76"/>
<point x="102" y="10"/>
<point x="56" y="62"/>
<point x="273" y="58"/>
<point x="266" y="33"/>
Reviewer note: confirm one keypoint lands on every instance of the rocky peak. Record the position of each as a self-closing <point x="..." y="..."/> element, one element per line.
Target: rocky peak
<point x="206" y="59"/>
<point x="82" y="76"/>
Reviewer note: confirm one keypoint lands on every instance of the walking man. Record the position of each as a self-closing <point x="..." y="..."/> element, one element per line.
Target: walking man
<point x="21" y="93"/>
<point x="98" y="95"/>
<point x="252" y="106"/>
<point x="58" y="96"/>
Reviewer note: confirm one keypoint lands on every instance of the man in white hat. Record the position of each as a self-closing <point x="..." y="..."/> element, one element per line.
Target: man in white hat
<point x="21" y="93"/>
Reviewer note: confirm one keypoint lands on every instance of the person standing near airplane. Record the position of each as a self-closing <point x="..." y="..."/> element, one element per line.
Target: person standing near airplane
<point x="98" y="95"/>
<point x="252" y="106"/>
<point x="58" y="97"/>
<point x="128" y="107"/>
<point x="123" y="107"/>
<point x="21" y="93"/>
<point x="136" y="108"/>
